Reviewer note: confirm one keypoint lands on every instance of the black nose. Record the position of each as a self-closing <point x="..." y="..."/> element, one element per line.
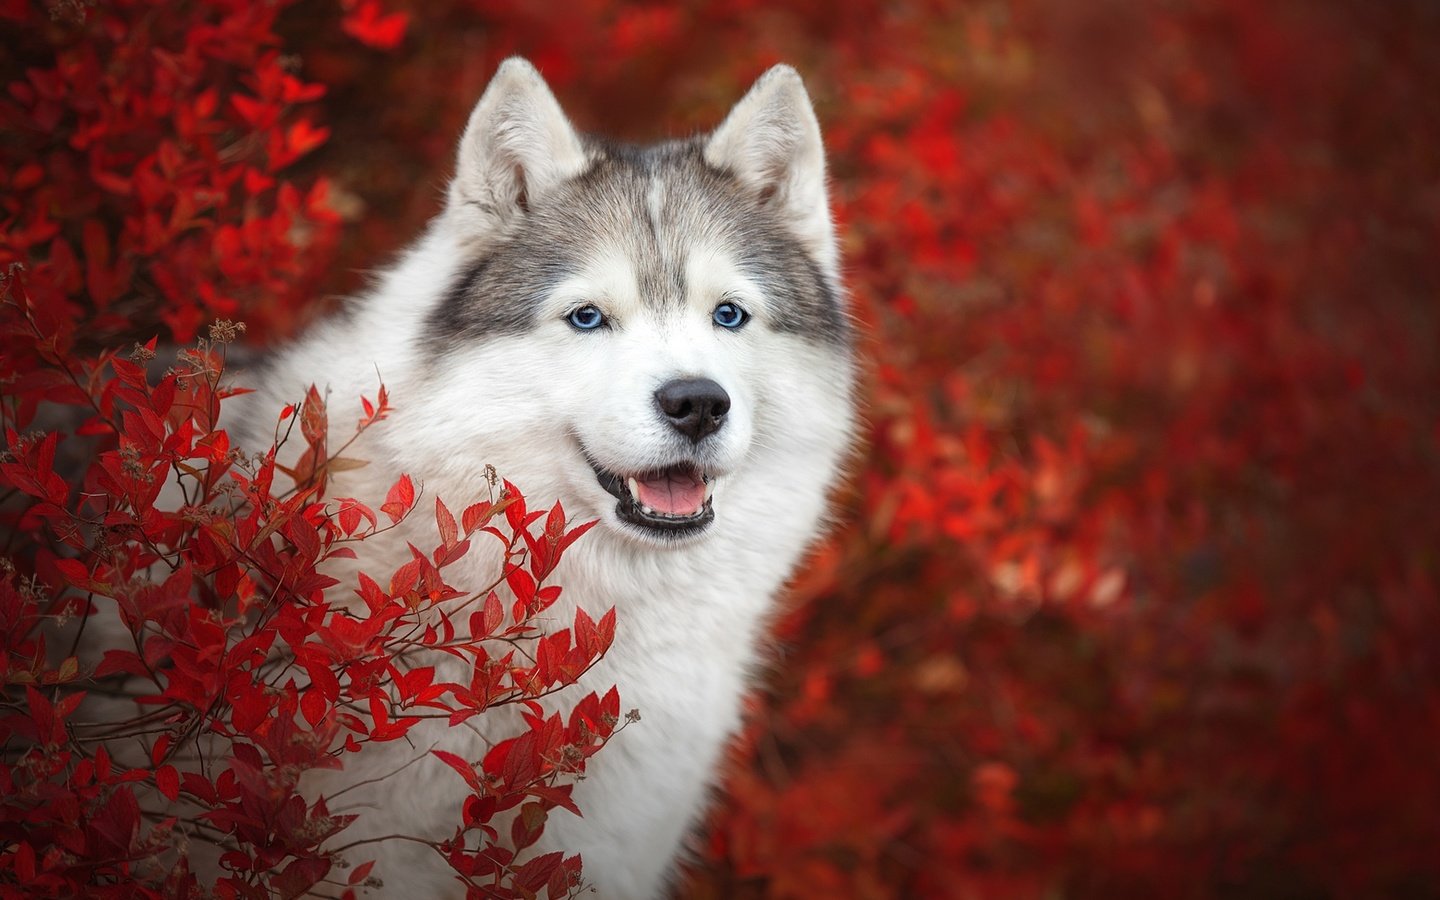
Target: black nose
<point x="694" y="407"/>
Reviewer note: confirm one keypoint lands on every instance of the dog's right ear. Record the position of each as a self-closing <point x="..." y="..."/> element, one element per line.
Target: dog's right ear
<point x="518" y="146"/>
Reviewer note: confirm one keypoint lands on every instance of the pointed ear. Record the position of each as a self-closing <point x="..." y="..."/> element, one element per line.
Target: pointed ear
<point x="517" y="147"/>
<point x="771" y="143"/>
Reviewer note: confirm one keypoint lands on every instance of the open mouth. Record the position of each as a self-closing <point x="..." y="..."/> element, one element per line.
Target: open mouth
<point x="674" y="500"/>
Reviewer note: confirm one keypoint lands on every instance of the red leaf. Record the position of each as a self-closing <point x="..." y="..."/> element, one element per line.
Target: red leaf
<point x="494" y="614"/>
<point x="466" y="770"/>
<point x="313" y="420"/>
<point x="121" y="661"/>
<point x="79" y="575"/>
<point x="526" y="829"/>
<point x="368" y="25"/>
<point x="497" y="760"/>
<point x="351" y="512"/>
<point x="522" y="584"/>
<point x="313" y="706"/>
<point x="42" y="713"/>
<point x="563" y="878"/>
<point x="586" y="637"/>
<point x="606" y="627"/>
<point x="477" y="514"/>
<point x="157" y="752"/>
<point x="167" y="778"/>
<point x="299" y="877"/>
<point x="558" y="795"/>
<point x="360" y="872"/>
<point x="515" y="510"/>
<point x="304" y="137"/>
<point x="449" y="530"/>
<point x="399" y="499"/>
<point x="197" y="784"/>
<point x="555" y="524"/>
<point x="371" y="593"/>
<point x="256" y="113"/>
<point x="24" y="862"/>
<point x="532" y="876"/>
<point x="297" y="140"/>
<point x="118" y="821"/>
<point x="574" y="534"/>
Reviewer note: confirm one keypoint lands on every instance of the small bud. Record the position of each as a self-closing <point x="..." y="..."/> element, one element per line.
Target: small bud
<point x="223" y="331"/>
<point x="68" y="12"/>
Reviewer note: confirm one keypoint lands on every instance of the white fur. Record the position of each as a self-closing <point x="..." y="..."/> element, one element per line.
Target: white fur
<point x="691" y="615"/>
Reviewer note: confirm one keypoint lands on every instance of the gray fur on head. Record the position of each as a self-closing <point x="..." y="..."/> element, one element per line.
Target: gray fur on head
<point x="539" y="199"/>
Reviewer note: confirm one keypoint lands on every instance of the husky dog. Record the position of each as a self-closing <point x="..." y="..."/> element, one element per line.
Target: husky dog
<point x="655" y="335"/>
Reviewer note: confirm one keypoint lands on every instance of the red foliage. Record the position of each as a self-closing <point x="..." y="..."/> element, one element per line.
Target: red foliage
<point x="143" y="177"/>
<point x="247" y="675"/>
<point x="1140" y="594"/>
<point x="229" y="672"/>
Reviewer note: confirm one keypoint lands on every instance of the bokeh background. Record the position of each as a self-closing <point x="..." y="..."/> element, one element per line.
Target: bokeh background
<point x="1135" y="593"/>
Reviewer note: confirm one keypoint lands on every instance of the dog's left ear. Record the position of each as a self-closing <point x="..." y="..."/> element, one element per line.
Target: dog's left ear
<point x="517" y="147"/>
<point x="771" y="143"/>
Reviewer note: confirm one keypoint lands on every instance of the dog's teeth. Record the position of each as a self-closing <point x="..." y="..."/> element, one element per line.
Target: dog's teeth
<point x="709" y="489"/>
<point x="634" y="487"/>
<point x="647" y="510"/>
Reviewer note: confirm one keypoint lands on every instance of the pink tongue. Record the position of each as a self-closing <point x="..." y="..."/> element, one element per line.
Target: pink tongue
<point x="673" y="493"/>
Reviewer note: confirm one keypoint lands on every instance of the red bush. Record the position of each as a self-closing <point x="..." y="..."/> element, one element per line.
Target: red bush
<point x="231" y="669"/>
<point x="148" y="161"/>
<point x="1139" y="598"/>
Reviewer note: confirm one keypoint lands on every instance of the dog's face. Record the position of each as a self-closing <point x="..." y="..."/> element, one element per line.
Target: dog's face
<point x="640" y="328"/>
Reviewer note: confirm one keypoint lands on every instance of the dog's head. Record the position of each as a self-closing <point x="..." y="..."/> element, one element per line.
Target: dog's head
<point x="653" y="333"/>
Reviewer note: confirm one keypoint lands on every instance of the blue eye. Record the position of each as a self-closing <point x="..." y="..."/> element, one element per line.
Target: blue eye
<point x="728" y="315"/>
<point x="586" y="318"/>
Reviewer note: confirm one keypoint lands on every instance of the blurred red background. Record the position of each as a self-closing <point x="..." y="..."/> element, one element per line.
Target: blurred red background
<point x="1136" y="590"/>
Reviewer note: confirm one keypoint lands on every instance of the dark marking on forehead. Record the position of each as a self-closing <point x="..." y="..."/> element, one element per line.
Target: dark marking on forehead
<point x="804" y="300"/>
<point x="450" y="316"/>
<point x="610" y="208"/>
<point x="498" y="294"/>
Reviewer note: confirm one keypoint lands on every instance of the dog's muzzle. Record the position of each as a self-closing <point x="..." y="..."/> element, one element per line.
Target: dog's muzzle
<point x="674" y="501"/>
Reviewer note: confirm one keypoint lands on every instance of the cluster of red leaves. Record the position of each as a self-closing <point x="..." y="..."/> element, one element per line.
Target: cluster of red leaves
<point x="1141" y="595"/>
<point x="228" y="671"/>
<point x="1144" y="369"/>
<point x="142" y="178"/>
<point x="176" y="657"/>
